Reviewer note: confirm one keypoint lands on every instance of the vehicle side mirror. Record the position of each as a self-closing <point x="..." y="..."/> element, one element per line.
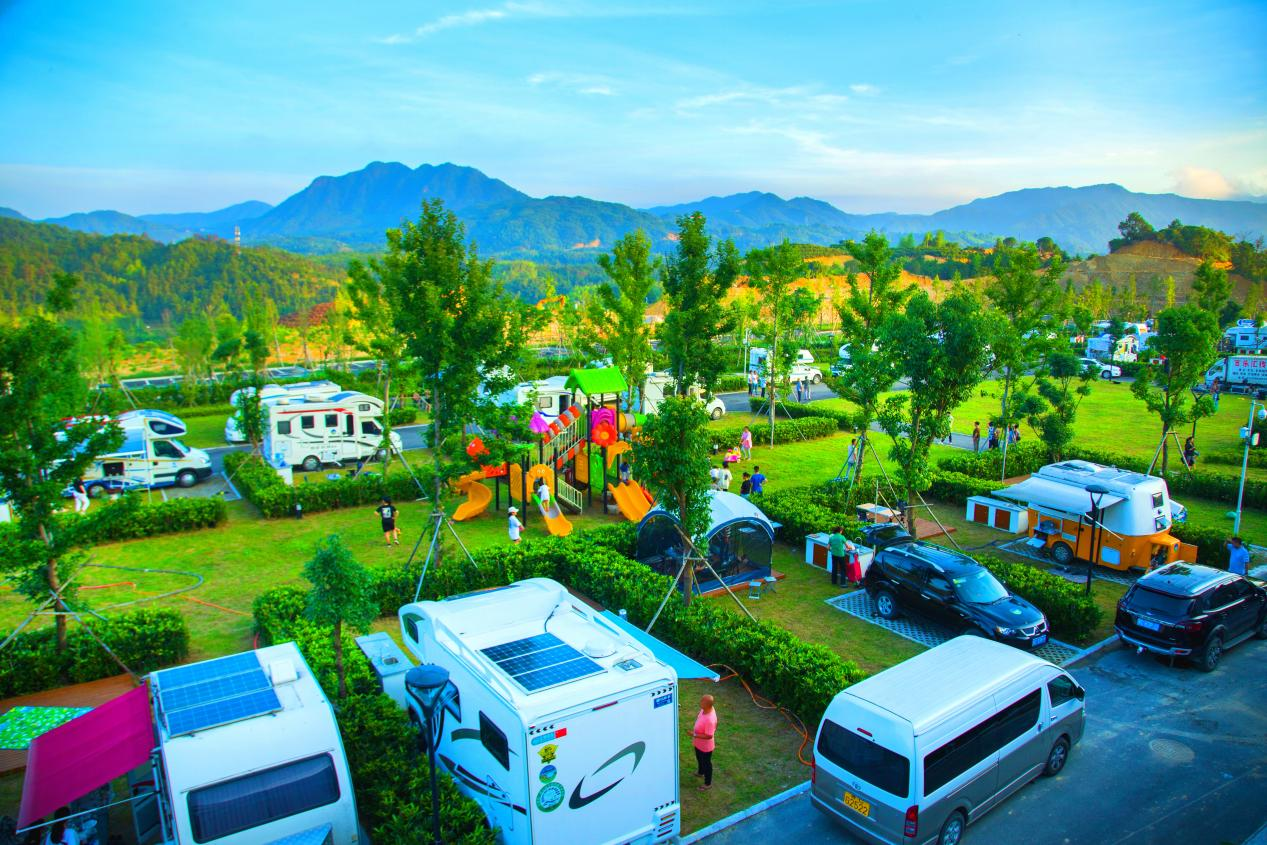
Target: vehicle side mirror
<point x="1079" y="693"/>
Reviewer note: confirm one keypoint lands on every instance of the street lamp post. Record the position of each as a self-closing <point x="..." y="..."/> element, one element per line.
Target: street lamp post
<point x="426" y="683"/>
<point x="1247" y="434"/>
<point x="1097" y="493"/>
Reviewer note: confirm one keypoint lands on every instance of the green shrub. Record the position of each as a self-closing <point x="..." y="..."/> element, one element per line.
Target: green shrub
<point x="144" y="640"/>
<point x="1072" y="615"/>
<point x="1022" y="459"/>
<point x="264" y="488"/>
<point x="845" y="420"/>
<point x="785" y="431"/>
<point x="730" y="382"/>
<point x="402" y="416"/>
<point x="957" y="487"/>
<point x="808" y="510"/>
<point x="1211" y="542"/>
<point x="129" y="518"/>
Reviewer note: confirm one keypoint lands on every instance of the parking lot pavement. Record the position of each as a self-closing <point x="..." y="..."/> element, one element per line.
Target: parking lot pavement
<point x="1170" y="755"/>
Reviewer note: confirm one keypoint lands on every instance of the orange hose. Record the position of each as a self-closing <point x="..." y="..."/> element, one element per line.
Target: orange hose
<point x="767" y="704"/>
<point x="216" y="606"/>
<point x="131" y="584"/>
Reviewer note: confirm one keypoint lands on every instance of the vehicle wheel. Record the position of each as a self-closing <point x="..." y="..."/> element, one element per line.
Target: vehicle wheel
<point x="1208" y="661"/>
<point x="1062" y="553"/>
<point x="1106" y="374"/>
<point x="311" y="463"/>
<point x="96" y="491"/>
<point x="717" y="413"/>
<point x="1056" y="758"/>
<point x="186" y="478"/>
<point x="952" y="830"/>
<point x="886" y="603"/>
<point x="380" y="454"/>
<point x="817" y="379"/>
<point x="1261" y="631"/>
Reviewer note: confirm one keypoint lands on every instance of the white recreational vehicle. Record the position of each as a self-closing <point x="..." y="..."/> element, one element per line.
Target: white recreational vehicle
<point x="1238" y="374"/>
<point x="1245" y="336"/>
<point x="659" y="385"/>
<point x="345" y="427"/>
<point x="149" y="457"/>
<point x="564" y="727"/>
<point x="309" y="390"/>
<point x="548" y="396"/>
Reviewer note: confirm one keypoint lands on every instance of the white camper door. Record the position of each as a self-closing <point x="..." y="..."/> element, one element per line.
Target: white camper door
<point x="606" y="769"/>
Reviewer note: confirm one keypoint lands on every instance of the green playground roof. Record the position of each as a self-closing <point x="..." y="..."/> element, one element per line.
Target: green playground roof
<point x="597" y="382"/>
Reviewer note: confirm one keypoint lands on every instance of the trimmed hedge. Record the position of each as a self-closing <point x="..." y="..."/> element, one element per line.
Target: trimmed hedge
<point x="144" y="640"/>
<point x="1211" y="543"/>
<point x="1069" y="611"/>
<point x="402" y="416"/>
<point x="785" y="431"/>
<point x="1022" y="459"/>
<point x="809" y="510"/>
<point x="845" y="421"/>
<point x="129" y="518"/>
<point x="957" y="487"/>
<point x="730" y="382"/>
<point x="264" y="488"/>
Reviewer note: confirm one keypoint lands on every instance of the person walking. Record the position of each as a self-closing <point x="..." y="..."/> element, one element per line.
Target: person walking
<point x="992" y="437"/>
<point x="387" y="513"/>
<point x="745" y="443"/>
<point x="1190" y="452"/>
<point x="851" y="458"/>
<point x="976" y="437"/>
<point x="1215" y="388"/>
<point x="80" y="492"/>
<point x="513" y="526"/>
<point x="836" y="556"/>
<point x="1237" y="556"/>
<point x="704" y="738"/>
<point x="758" y="481"/>
<point x="724" y="477"/>
<point x="745" y="486"/>
<point x="950" y="424"/>
<point x="797" y="382"/>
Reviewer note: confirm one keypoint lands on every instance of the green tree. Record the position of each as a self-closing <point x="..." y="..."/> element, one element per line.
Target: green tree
<point x="376" y="307"/>
<point x="342" y="593"/>
<point x="1168" y="285"/>
<point x="863" y="312"/>
<point x="251" y="415"/>
<point x="194" y="343"/>
<point x="696" y="281"/>
<point x="40" y="387"/>
<point x="672" y="457"/>
<point x="940" y="351"/>
<point x="745" y="311"/>
<point x="1187" y="338"/>
<point x="620" y="315"/>
<point x="772" y="273"/>
<point x="1065" y="384"/>
<point x="1136" y="228"/>
<point x="1211" y="288"/>
<point x="1024" y="295"/>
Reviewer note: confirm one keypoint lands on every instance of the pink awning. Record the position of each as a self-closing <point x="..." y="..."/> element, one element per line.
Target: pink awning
<point x="73" y="759"/>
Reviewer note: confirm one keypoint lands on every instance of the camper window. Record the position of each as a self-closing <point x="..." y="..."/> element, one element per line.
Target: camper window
<point x="307" y="422"/>
<point x="545" y="403"/>
<point x="411" y="621"/>
<point x="166" y="449"/>
<point x="283" y="426"/>
<point x="332" y="420"/>
<point x="864" y="759"/>
<point x="363" y="408"/>
<point x="243" y="803"/>
<point x="1157" y="500"/>
<point x="495" y="741"/>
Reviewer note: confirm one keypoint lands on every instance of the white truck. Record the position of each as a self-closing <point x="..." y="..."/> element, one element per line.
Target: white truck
<point x="310" y="434"/>
<point x="314" y="390"/>
<point x="559" y="724"/>
<point x="1239" y="374"/>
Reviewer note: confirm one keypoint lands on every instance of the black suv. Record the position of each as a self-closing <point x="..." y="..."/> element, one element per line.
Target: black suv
<point x="1186" y="610"/>
<point x="947" y="587"/>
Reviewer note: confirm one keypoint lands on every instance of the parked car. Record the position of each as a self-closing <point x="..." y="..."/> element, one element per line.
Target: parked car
<point x="949" y="588"/>
<point x="802" y="372"/>
<point x="1105" y="370"/>
<point x="840" y="366"/>
<point x="1192" y="611"/>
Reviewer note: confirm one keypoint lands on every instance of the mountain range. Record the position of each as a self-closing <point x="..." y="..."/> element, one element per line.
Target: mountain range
<point x="351" y="211"/>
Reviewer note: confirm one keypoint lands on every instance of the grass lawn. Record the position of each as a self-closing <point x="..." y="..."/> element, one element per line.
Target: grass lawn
<point x="204" y="432"/>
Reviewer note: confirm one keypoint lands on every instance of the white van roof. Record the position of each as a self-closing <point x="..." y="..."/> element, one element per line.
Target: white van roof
<point x="931" y="686"/>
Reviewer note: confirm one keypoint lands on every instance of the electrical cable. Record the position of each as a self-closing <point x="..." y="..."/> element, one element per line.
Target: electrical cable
<point x="766" y="704"/>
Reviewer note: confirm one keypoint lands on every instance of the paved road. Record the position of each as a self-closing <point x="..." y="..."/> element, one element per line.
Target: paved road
<point x="1170" y="756"/>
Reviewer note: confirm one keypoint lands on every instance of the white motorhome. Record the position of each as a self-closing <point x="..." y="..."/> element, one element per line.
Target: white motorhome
<point x="316" y="391"/>
<point x="309" y="434"/>
<point x="1125" y="349"/>
<point x="1245" y="336"/>
<point x="917" y="752"/>
<point x="549" y="396"/>
<point x="1239" y="374"/>
<point x="759" y="355"/>
<point x="248" y="752"/>
<point x="562" y="727"/>
<point x="150" y="457"/>
<point x="659" y="385"/>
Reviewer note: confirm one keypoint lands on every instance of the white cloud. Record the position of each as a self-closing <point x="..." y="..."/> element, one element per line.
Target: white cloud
<point x="864" y="89"/>
<point x="579" y="82"/>
<point x="798" y="97"/>
<point x="474" y="17"/>
<point x="1203" y="183"/>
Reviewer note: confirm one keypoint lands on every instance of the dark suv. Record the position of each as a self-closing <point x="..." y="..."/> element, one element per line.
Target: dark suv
<point x="1186" y="610"/>
<point x="947" y="587"/>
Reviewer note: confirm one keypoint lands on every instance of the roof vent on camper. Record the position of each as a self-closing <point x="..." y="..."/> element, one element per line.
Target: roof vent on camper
<point x="599" y="647"/>
<point x="282" y="672"/>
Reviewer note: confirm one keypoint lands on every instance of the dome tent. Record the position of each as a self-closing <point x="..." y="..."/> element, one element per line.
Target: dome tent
<point x="740" y="542"/>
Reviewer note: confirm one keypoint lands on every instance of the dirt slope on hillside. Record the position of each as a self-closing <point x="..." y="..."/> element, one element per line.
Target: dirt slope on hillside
<point x="1147" y="261"/>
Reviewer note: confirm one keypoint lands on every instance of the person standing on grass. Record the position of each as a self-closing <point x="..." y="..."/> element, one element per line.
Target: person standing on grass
<point x="703" y="737"/>
<point x="1190" y="451"/>
<point x="758" y="481"/>
<point x="745" y="487"/>
<point x="851" y="458"/>
<point x="745" y="443"/>
<point x="387" y="513"/>
<point x="992" y="437"/>
<point x="80" y="492"/>
<point x="836" y="556"/>
<point x="1237" y="557"/>
<point x="976" y="437"/>
<point x="513" y="525"/>
<point x="724" y="477"/>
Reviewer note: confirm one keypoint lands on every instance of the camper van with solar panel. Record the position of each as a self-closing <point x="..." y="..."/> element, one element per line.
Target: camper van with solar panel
<point x="562" y="722"/>
<point x="248" y="753"/>
<point x="150" y="456"/>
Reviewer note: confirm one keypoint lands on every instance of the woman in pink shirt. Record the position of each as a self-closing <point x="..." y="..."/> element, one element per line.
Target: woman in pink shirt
<point x="745" y="443"/>
<point x="705" y="730"/>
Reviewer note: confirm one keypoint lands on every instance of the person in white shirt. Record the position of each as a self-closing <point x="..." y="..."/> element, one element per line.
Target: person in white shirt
<point x="723" y="477"/>
<point x="543" y="493"/>
<point x="714" y="476"/>
<point x="514" y="526"/>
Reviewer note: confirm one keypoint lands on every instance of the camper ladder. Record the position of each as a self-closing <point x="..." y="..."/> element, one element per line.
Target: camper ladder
<point x="569" y="495"/>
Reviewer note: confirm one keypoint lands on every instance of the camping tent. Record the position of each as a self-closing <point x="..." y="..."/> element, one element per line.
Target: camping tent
<point x="740" y="541"/>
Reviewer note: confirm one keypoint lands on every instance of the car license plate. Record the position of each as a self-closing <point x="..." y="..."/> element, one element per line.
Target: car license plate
<point x="1147" y="623"/>
<point x="856" y="804"/>
<point x="1041" y="639"/>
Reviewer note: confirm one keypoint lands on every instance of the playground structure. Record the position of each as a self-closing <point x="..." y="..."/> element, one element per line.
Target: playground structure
<point x="576" y="456"/>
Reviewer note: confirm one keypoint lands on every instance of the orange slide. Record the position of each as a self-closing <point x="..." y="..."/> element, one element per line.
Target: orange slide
<point x="477" y="496"/>
<point x="556" y="523"/>
<point x="632" y="499"/>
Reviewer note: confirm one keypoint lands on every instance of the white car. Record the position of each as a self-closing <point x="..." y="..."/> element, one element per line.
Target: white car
<point x="1105" y="370"/>
<point x="802" y="372"/>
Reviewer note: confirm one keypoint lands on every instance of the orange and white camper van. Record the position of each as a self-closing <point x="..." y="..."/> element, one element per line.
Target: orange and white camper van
<point x="1135" y="514"/>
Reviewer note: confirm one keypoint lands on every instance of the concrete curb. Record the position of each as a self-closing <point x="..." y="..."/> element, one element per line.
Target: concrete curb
<point x="742" y="815"/>
<point x="1108" y="643"/>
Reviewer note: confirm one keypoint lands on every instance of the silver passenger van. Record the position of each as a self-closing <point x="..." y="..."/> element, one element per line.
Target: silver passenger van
<point x="917" y="752"/>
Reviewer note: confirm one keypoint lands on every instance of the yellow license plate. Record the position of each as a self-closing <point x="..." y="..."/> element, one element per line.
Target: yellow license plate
<point x="856" y="804"/>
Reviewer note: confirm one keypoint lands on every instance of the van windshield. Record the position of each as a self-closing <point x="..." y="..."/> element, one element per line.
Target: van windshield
<point x="980" y="587"/>
<point x="862" y="758"/>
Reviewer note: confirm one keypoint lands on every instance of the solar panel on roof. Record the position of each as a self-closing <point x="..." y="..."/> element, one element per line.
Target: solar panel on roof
<point x="222" y="712"/>
<point x="213" y="689"/>
<point x="199" y="672"/>
<point x="541" y="661"/>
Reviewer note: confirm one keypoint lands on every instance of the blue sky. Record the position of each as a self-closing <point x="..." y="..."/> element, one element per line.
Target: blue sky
<point x="874" y="106"/>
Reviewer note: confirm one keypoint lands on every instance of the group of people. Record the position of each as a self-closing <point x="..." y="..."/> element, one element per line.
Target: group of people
<point x="758" y="386"/>
<point x="995" y="435"/>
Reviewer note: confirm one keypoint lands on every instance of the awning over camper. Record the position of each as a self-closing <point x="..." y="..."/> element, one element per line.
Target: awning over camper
<point x="1039" y="492"/>
<point x="72" y="760"/>
<point x="597" y="382"/>
<point x="665" y="653"/>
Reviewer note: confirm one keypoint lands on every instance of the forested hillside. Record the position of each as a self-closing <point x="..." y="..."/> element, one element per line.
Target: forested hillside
<point x="134" y="276"/>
